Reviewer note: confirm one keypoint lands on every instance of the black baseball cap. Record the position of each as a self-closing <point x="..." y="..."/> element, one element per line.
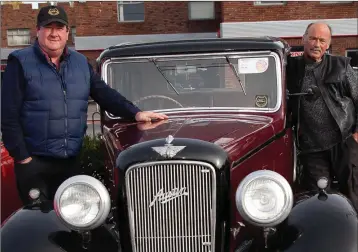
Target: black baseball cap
<point x="49" y="14"/>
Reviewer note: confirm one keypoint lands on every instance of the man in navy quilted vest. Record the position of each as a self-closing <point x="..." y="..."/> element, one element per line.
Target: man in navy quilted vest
<point x="44" y="105"/>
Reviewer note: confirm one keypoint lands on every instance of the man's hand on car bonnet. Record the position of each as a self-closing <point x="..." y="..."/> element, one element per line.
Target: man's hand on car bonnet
<point x="150" y="125"/>
<point x="25" y="161"/>
<point x="355" y="136"/>
<point x="148" y="116"/>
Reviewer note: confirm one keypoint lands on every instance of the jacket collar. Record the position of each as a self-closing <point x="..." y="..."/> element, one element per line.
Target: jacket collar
<point x="301" y="63"/>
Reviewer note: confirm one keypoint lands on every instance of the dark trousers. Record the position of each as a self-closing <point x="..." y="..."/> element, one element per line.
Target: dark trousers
<point x="340" y="162"/>
<point x="44" y="173"/>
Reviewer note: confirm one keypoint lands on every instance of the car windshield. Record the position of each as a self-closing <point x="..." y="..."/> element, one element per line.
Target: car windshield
<point x="241" y="81"/>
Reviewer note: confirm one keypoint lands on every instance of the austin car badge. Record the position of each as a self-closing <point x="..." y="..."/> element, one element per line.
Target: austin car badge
<point x="168" y="150"/>
<point x="164" y="197"/>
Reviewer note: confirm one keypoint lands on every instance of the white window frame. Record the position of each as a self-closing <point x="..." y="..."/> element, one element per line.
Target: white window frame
<point x="335" y="2"/>
<point x="120" y="11"/>
<point x="73" y="33"/>
<point x="351" y="50"/>
<point x="17" y="30"/>
<point x="35" y="5"/>
<point x="267" y="3"/>
<point x="202" y="2"/>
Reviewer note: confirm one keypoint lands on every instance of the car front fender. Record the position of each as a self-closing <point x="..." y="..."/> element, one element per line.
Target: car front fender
<point x="32" y="229"/>
<point x="322" y="222"/>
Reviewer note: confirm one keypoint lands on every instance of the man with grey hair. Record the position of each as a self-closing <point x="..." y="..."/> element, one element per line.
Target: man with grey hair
<point x="325" y="118"/>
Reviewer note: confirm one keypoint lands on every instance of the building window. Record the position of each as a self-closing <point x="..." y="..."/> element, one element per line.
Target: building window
<point x="73" y="33"/>
<point x="130" y="11"/>
<point x="201" y="10"/>
<point x="18" y="37"/>
<point x="353" y="54"/>
<point x="334" y="2"/>
<point x="35" y="5"/>
<point x="269" y="2"/>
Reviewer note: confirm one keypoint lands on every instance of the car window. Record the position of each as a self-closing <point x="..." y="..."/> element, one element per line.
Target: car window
<point x="236" y="81"/>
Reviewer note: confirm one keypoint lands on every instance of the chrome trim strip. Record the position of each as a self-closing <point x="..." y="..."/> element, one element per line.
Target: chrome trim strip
<point x="188" y="228"/>
<point x="211" y="109"/>
<point x="294" y="161"/>
<point x="190" y="55"/>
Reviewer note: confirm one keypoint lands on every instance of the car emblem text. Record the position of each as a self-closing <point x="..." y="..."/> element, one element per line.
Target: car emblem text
<point x="164" y="197"/>
<point x="168" y="150"/>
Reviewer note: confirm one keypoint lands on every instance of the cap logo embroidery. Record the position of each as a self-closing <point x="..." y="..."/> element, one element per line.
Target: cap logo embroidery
<point x="53" y="12"/>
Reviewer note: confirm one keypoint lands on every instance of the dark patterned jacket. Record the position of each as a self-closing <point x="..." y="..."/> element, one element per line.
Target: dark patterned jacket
<point x="339" y="88"/>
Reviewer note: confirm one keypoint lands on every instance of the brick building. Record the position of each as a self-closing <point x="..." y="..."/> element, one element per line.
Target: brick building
<point x="97" y="25"/>
<point x="288" y="20"/>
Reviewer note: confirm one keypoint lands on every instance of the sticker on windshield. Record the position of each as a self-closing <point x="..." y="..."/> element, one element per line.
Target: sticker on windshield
<point x="185" y="69"/>
<point x="252" y="65"/>
<point x="261" y="101"/>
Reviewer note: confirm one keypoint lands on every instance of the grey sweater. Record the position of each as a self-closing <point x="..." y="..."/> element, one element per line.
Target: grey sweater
<point x="318" y="129"/>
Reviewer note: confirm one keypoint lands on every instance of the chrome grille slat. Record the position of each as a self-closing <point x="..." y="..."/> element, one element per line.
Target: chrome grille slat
<point x="195" y="211"/>
<point x="185" y="222"/>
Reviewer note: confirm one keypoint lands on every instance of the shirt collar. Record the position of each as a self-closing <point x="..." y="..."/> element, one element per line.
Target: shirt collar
<point x="63" y="56"/>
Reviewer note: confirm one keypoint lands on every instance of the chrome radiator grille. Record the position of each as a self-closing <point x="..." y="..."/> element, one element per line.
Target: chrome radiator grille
<point x="172" y="206"/>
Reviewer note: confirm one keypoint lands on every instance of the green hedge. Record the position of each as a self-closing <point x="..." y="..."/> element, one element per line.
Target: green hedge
<point x="92" y="157"/>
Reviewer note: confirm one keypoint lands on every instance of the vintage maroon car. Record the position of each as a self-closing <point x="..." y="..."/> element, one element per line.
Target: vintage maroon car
<point x="218" y="175"/>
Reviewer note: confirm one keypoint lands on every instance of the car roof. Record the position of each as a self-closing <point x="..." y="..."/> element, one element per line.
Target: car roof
<point x="210" y="45"/>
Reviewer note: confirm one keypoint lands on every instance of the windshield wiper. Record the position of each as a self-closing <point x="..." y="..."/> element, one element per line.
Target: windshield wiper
<point x="236" y="74"/>
<point x="161" y="72"/>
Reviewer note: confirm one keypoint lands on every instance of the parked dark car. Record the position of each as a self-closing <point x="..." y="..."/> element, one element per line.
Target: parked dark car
<point x="219" y="175"/>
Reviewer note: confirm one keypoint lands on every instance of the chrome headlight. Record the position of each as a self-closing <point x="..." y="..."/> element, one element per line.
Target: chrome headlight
<point x="264" y="198"/>
<point x="82" y="202"/>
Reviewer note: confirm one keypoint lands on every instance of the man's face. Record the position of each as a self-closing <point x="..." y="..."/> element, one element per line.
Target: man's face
<point x="316" y="41"/>
<point x="53" y="37"/>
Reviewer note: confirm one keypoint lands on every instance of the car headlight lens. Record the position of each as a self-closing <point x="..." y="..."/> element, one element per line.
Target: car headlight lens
<point x="82" y="202"/>
<point x="264" y="198"/>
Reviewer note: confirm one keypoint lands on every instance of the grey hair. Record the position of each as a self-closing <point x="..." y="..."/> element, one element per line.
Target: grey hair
<point x="308" y="26"/>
